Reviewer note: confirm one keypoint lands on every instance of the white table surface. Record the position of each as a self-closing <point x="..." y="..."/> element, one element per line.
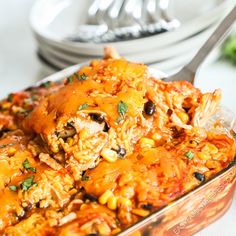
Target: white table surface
<point x="20" y="67"/>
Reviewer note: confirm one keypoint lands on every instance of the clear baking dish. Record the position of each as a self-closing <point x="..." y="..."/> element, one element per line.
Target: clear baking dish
<point x="196" y="209"/>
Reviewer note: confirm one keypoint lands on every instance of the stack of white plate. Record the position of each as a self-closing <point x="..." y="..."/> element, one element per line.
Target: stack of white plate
<point x="53" y="21"/>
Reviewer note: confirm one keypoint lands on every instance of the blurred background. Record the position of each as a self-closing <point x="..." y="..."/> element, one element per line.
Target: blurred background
<point x="41" y="37"/>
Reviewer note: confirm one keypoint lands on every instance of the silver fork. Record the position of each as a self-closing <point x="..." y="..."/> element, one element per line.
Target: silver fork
<point x="95" y="25"/>
<point x="188" y="72"/>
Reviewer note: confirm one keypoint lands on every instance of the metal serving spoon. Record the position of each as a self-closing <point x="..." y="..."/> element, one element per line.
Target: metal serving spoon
<point x="188" y="72"/>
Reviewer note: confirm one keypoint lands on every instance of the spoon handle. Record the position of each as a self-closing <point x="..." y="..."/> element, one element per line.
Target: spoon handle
<point x="216" y="36"/>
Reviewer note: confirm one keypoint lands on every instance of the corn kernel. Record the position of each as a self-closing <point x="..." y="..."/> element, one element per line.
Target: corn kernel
<point x="204" y="156"/>
<point x="115" y="231"/>
<point x="104" y="229"/>
<point x="211" y="148"/>
<point x="140" y="212"/>
<point x="183" y="117"/>
<point x="156" y="137"/>
<point x="83" y="206"/>
<point x="70" y="141"/>
<point x="105" y="196"/>
<point x="213" y="164"/>
<point x="147" y="142"/>
<point x="11" y="151"/>
<point x="55" y="149"/>
<point x="109" y="155"/>
<point x="112" y="203"/>
<point x="84" y="134"/>
<point x="124" y="202"/>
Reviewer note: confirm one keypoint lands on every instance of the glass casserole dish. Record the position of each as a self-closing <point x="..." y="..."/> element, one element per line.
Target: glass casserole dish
<point x="173" y="219"/>
<point x="196" y="209"/>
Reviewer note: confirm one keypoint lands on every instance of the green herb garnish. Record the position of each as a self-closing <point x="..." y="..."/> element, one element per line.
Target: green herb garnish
<point x="122" y="108"/>
<point x="69" y="80"/>
<point x="234" y="161"/>
<point x="7" y="145"/>
<point x="189" y="155"/>
<point x="229" y="49"/>
<point x="13" y="188"/>
<point x="85" y="178"/>
<point x="27" y="166"/>
<point x="83" y="106"/>
<point x="46" y="84"/>
<point x="28" y="183"/>
<point x="118" y="120"/>
<point x="82" y="77"/>
<point x="10" y="97"/>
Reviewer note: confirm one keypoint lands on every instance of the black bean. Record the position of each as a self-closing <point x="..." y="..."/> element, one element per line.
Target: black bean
<point x="169" y="112"/>
<point x="67" y="132"/>
<point x="28" y="207"/>
<point x="121" y="152"/>
<point x="37" y="205"/>
<point x="106" y="127"/>
<point x="147" y="206"/>
<point x="97" y="117"/>
<point x="199" y="176"/>
<point x="90" y="197"/>
<point x="149" y="108"/>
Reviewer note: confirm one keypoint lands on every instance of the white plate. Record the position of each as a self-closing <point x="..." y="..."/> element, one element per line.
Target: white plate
<point x="53" y="20"/>
<point x="154" y="55"/>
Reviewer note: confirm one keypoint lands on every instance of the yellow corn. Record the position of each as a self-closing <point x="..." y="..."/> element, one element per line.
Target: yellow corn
<point x="204" y="156"/>
<point x="105" y="196"/>
<point x="211" y="148"/>
<point x="104" y="229"/>
<point x="213" y="164"/>
<point x="84" y="134"/>
<point x="147" y="142"/>
<point x="109" y="155"/>
<point x="112" y="203"/>
<point x="183" y="117"/>
<point x="70" y="141"/>
<point x="115" y="231"/>
<point x="140" y="212"/>
<point x="156" y="137"/>
<point x="11" y="151"/>
<point x="124" y="202"/>
<point x="55" y="149"/>
<point x="83" y="206"/>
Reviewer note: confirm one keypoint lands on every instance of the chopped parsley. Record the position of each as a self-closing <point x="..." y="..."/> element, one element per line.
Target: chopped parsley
<point x="83" y="106"/>
<point x="234" y="161"/>
<point x="118" y="120"/>
<point x="46" y="84"/>
<point x="10" y="97"/>
<point x="189" y="155"/>
<point x="69" y="80"/>
<point x="28" y="183"/>
<point x="13" y="188"/>
<point x="82" y="77"/>
<point x="27" y="166"/>
<point x="122" y="108"/>
<point x="85" y="178"/>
